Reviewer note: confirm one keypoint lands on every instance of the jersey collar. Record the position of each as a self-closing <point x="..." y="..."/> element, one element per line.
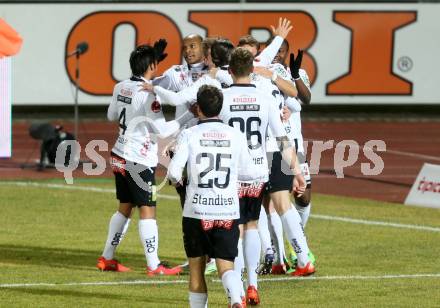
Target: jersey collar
<point x="209" y="121"/>
<point x="248" y="85"/>
<point x="198" y="66"/>
<point x="138" y="78"/>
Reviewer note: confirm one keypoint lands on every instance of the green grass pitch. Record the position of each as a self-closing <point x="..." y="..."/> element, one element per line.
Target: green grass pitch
<point x="53" y="236"/>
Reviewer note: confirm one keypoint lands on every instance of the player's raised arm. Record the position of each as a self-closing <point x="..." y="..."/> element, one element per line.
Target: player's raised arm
<point x="268" y="54"/>
<point x="301" y="79"/>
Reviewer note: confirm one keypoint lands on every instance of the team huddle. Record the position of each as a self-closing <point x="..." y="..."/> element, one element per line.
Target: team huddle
<point x="236" y="160"/>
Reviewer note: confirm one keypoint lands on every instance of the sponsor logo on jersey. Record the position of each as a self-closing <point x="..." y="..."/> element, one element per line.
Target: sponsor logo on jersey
<point x="126" y="92"/>
<point x="247" y="107"/>
<point x="216" y="135"/>
<point x="218" y="224"/>
<point x="215" y="143"/>
<point x="124" y="99"/>
<point x="155" y="106"/>
<point x="218" y="200"/>
<point x="244" y="99"/>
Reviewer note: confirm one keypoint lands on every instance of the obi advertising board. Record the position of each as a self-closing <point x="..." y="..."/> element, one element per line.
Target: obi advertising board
<point x="355" y="53"/>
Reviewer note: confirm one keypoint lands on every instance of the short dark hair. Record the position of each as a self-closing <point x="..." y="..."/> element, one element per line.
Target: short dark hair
<point x="221" y="52"/>
<point x="285" y="42"/>
<point x="141" y="58"/>
<point x="207" y="44"/>
<point x="242" y="62"/>
<point x="210" y="100"/>
<point x="249" y="40"/>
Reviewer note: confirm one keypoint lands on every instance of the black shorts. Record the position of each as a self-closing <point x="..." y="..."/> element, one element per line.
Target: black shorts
<point x="250" y="197"/>
<point x="280" y="176"/>
<point x="217" y="242"/>
<point x="127" y="177"/>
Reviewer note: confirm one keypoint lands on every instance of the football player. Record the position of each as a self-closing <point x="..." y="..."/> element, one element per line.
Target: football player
<point x="216" y="156"/>
<point x="134" y="158"/>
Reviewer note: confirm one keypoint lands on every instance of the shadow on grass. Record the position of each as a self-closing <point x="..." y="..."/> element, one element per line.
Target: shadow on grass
<point x="65" y="257"/>
<point x="107" y="296"/>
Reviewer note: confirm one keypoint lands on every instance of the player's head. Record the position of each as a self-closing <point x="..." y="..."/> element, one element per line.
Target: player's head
<point x="282" y="53"/>
<point x="143" y="61"/>
<point x="206" y="46"/>
<point x="192" y="49"/>
<point x="250" y="43"/>
<point x="221" y="52"/>
<point x="209" y="101"/>
<point x="242" y="62"/>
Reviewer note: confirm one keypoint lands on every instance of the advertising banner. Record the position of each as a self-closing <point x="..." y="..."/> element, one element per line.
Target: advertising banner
<point x="426" y="188"/>
<point x="354" y="53"/>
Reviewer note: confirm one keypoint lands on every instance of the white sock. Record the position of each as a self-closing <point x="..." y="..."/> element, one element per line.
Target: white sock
<point x="150" y="241"/>
<point x="295" y="232"/>
<point x="233" y="286"/>
<point x="263" y="230"/>
<point x="198" y="300"/>
<point x="115" y="234"/>
<point x="125" y="229"/>
<point x="252" y="251"/>
<point x="239" y="263"/>
<point x="278" y="237"/>
<point x="304" y="213"/>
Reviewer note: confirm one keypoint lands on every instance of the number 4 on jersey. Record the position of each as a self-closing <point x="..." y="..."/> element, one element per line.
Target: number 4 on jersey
<point x="122" y="121"/>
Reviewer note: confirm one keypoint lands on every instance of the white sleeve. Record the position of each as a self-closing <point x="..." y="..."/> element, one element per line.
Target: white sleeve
<point x="112" y="111"/>
<point x="165" y="81"/>
<point x="305" y="78"/>
<point x="164" y="128"/>
<point x="268" y="54"/>
<point x="172" y="98"/>
<point x="293" y="104"/>
<point x="275" y="123"/>
<point x="282" y="72"/>
<point x="180" y="157"/>
<point x="187" y="95"/>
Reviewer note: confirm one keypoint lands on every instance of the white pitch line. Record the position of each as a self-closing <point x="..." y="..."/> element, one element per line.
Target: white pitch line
<point x="171" y="197"/>
<point x="164" y="282"/>
<point x="72" y="187"/>
<point x="98" y="283"/>
<point x="375" y="223"/>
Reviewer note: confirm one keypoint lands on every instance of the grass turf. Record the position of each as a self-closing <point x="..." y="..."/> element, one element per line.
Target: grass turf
<point x="55" y="236"/>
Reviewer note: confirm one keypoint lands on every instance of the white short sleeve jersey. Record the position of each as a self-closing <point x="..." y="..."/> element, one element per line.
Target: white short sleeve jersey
<point x="253" y="112"/>
<point x="135" y="110"/>
<point x="178" y="77"/>
<point x="215" y="154"/>
<point x="295" y="117"/>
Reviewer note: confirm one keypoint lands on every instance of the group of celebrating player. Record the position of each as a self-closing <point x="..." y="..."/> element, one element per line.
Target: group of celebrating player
<point x="236" y="160"/>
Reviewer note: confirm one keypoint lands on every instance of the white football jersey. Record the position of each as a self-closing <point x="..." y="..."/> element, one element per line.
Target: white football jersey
<point x="139" y="114"/>
<point x="179" y="77"/>
<point x="217" y="157"/>
<point x="253" y="112"/>
<point x="294" y="105"/>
